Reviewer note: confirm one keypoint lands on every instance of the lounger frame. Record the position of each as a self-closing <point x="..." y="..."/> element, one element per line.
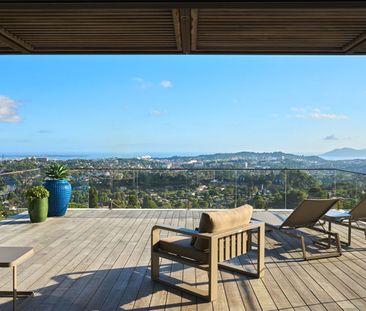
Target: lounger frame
<point x="349" y="222"/>
<point x="293" y="233"/>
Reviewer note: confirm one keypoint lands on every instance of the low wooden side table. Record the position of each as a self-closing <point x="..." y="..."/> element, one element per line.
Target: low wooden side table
<point x="334" y="216"/>
<point x="11" y="257"/>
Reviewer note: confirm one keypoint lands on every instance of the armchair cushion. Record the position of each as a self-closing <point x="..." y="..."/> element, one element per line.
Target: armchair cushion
<point x="181" y="245"/>
<point x="212" y="222"/>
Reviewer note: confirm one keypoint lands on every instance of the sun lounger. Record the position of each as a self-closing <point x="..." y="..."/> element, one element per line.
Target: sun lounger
<point x="306" y="215"/>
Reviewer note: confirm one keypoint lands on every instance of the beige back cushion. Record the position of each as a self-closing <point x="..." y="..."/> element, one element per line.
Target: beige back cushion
<point x="212" y="222"/>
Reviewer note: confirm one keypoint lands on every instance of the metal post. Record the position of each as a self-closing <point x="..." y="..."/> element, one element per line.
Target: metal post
<point x="285" y="188"/>
<point x="335" y="183"/>
<point x="236" y="189"/>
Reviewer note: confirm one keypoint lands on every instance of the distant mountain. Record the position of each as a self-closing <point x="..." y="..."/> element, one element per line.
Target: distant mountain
<point x="247" y="155"/>
<point x="344" y="154"/>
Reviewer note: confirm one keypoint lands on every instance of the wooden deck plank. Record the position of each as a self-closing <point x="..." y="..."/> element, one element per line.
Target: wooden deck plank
<point x="47" y="282"/>
<point x="174" y="297"/>
<point x="112" y="301"/>
<point x="99" y="260"/>
<point x="144" y="295"/>
<point x="81" y="278"/>
<point x="159" y="294"/>
<point x="189" y="302"/>
<point x="142" y="256"/>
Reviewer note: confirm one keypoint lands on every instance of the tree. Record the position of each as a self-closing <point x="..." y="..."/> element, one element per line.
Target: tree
<point x="79" y="196"/>
<point x="295" y="197"/>
<point x="301" y="180"/>
<point x="119" y="199"/>
<point x="277" y="200"/>
<point x="93" y="197"/>
<point x="317" y="193"/>
<point x="193" y="203"/>
<point x="133" y="202"/>
<point x="12" y="197"/>
<point x="259" y="202"/>
<point x="179" y="204"/>
<point x="1" y="209"/>
<point x="166" y="205"/>
<point x="104" y="198"/>
<point x="2" y="185"/>
<point x="149" y="203"/>
<point x="203" y="204"/>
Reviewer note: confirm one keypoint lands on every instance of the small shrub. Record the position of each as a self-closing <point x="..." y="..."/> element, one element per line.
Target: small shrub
<point x="38" y="192"/>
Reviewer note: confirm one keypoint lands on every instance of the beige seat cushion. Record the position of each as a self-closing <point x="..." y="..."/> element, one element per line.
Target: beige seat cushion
<point x="181" y="245"/>
<point x="212" y="222"/>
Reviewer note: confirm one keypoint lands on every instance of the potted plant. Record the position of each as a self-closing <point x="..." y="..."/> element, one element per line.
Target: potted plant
<point x="59" y="189"/>
<point x="37" y="203"/>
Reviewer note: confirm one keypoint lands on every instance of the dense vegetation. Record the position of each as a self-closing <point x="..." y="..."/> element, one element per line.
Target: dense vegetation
<point x="187" y="188"/>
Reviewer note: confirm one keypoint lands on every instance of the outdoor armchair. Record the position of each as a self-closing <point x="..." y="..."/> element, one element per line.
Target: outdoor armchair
<point x="222" y="235"/>
<point x="306" y="215"/>
<point x="351" y="219"/>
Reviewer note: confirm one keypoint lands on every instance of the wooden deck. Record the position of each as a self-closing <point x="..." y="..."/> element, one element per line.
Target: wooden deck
<point x="99" y="260"/>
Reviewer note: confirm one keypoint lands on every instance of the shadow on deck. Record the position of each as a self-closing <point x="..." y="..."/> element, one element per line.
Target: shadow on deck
<point x="99" y="260"/>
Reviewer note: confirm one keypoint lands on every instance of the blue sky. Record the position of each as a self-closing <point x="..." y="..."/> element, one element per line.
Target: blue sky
<point x="181" y="104"/>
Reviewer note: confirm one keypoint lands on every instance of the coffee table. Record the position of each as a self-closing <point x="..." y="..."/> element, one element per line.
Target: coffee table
<point x="11" y="257"/>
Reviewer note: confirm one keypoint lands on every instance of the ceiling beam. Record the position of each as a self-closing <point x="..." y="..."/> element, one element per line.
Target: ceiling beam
<point x="161" y="4"/>
<point x="353" y="45"/>
<point x="194" y="30"/>
<point x="177" y="30"/>
<point x="185" y="27"/>
<point x="14" y="42"/>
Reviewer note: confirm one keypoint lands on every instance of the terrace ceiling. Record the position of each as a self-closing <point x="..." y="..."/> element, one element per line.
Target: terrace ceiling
<point x="182" y="27"/>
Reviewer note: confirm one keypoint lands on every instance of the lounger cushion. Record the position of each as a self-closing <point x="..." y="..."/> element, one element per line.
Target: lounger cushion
<point x="181" y="245"/>
<point x="217" y="221"/>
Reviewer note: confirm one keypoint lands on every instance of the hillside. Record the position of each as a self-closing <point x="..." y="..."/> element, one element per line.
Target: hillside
<point x="345" y="154"/>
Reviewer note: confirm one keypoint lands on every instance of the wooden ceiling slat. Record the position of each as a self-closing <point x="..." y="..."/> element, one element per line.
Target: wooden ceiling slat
<point x="124" y="30"/>
<point x="273" y="30"/>
<point x="329" y="27"/>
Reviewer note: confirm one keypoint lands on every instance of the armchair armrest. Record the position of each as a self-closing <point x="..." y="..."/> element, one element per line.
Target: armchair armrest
<point x="184" y="231"/>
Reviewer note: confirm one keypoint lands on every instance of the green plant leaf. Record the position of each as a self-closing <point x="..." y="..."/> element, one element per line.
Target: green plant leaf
<point x="57" y="171"/>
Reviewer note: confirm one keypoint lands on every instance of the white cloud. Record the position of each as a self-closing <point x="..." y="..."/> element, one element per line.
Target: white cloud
<point x="8" y="110"/>
<point x="142" y="82"/>
<point x="166" y="84"/>
<point x="315" y="114"/>
<point x="331" y="137"/>
<point x="156" y="113"/>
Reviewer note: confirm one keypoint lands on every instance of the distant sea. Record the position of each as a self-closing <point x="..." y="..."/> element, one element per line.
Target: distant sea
<point x="94" y="155"/>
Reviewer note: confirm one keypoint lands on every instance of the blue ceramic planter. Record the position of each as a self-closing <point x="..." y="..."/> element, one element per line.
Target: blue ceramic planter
<point x="60" y="195"/>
